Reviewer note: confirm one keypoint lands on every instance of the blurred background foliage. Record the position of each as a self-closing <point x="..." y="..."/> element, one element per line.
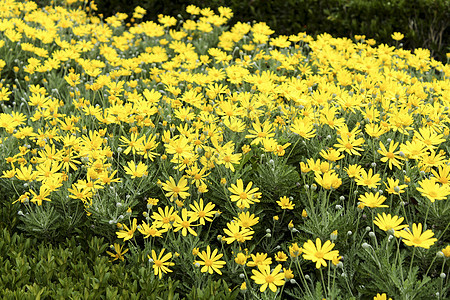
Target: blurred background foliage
<point x="425" y="23"/>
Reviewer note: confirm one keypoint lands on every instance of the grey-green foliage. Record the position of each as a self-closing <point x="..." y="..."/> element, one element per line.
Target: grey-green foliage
<point x="275" y="178"/>
<point x="389" y="271"/>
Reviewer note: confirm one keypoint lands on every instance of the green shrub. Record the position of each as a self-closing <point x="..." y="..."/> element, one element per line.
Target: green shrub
<point x="80" y="269"/>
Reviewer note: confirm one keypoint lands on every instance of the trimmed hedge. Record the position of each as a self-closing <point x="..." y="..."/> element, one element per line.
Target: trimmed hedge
<point x="79" y="268"/>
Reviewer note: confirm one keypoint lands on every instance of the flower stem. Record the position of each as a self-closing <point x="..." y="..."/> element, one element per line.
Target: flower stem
<point x="412" y="260"/>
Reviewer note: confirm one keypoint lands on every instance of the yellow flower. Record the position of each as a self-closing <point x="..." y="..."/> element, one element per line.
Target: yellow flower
<point x="397" y="36"/>
<point x="285" y="203"/>
<point x="269" y="279"/>
<point x="393" y="186"/>
<point x="318" y="253"/>
<point x="381" y="297"/>
<point x="288" y="273"/>
<point x="387" y="222"/>
<point x="295" y="250"/>
<point x="244" y="197"/>
<point x="368" y="179"/>
<point x="328" y="180"/>
<point x="353" y="170"/>
<point x="184" y="223"/>
<point x="152" y="230"/>
<point x="391" y="156"/>
<point x="416" y="238"/>
<point x="235" y="233"/>
<point x="372" y="200"/>
<point x="210" y="261"/>
<point x="245" y="220"/>
<point x="259" y="259"/>
<point x="260" y="132"/>
<point x="304" y="128"/>
<point x="432" y="190"/>
<point x="176" y="190"/>
<point x="349" y="144"/>
<point x="240" y="258"/>
<point x="164" y="218"/>
<point x="135" y="171"/>
<point x="127" y="233"/>
<point x="280" y="256"/>
<point x="446" y="251"/>
<point x="203" y="212"/>
<point x="161" y="263"/>
<point x="118" y="253"/>
<point x="331" y="154"/>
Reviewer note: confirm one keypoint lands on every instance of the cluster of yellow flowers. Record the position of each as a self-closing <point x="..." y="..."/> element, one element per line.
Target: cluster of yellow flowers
<point x="106" y="103"/>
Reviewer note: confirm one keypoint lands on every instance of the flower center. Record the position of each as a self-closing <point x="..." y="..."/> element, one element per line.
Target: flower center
<point x="208" y="262"/>
<point x="269" y="278"/>
<point x="243" y="195"/>
<point x="417" y="241"/>
<point x="319" y="254"/>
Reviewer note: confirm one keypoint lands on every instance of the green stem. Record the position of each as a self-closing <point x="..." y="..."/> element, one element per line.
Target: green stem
<point x="303" y="276"/>
<point x="432" y="262"/>
<point x="412" y="260"/>
<point x="323" y="283"/>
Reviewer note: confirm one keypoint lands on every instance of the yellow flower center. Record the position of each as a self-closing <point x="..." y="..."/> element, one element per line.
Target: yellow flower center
<point x="319" y="254"/>
<point x="243" y="195"/>
<point x="270" y="279"/>
<point x="158" y="263"/>
<point x="185" y="224"/>
<point x="390" y="155"/>
<point x="417" y="240"/>
<point x="208" y="262"/>
<point x="201" y="214"/>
